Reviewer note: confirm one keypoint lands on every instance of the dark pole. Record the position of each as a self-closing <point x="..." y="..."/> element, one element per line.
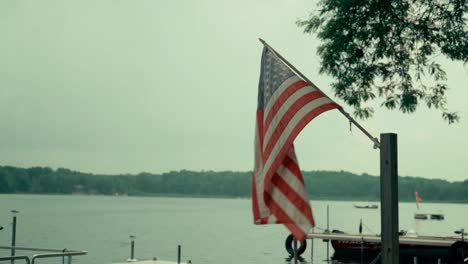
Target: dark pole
<point x="132" y="249"/>
<point x="13" y="236"/>
<point x="362" y="241"/>
<point x="389" y="198"/>
<point x="328" y="232"/>
<point x="295" y="250"/>
<point x="178" y="254"/>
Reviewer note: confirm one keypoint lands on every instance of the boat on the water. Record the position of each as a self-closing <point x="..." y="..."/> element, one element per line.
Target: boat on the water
<point x="425" y="248"/>
<point x="425" y="216"/>
<point x="368" y="206"/>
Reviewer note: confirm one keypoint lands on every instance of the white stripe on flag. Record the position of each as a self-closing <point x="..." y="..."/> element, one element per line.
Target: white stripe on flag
<point x="259" y="178"/>
<point x="278" y="92"/>
<point x="289" y="208"/>
<point x="292" y="181"/>
<point x="283" y="109"/>
<point x="289" y="128"/>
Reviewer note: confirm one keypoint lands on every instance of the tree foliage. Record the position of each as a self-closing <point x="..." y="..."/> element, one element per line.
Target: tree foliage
<point x="385" y="48"/>
<point x="337" y="185"/>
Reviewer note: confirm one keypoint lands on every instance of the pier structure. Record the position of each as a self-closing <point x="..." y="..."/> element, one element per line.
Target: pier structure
<point x="419" y="240"/>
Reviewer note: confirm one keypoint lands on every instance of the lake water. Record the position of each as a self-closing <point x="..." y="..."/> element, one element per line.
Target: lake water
<point x="210" y="231"/>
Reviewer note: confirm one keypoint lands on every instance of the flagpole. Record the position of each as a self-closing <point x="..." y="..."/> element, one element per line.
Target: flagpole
<point x="347" y="115"/>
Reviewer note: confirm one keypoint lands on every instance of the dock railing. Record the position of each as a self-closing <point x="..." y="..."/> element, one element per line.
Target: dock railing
<point x="52" y="253"/>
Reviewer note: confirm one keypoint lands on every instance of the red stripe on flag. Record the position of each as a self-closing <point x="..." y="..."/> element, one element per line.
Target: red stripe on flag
<point x="260" y="127"/>
<point x="298" y="105"/>
<point x="256" y="210"/>
<point x="293" y="168"/>
<point x="290" y="90"/>
<point x="280" y="214"/>
<point x="257" y="147"/>
<point x="295" y="199"/>
<point x="285" y="148"/>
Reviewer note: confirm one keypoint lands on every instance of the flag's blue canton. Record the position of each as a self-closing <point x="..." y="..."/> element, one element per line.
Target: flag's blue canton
<point x="272" y="74"/>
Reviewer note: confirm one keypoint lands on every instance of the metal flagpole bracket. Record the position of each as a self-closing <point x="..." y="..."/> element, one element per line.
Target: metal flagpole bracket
<point x="376" y="143"/>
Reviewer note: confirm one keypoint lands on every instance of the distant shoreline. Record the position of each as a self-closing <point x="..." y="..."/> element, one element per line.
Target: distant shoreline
<point x="321" y="185"/>
<point x="222" y="197"/>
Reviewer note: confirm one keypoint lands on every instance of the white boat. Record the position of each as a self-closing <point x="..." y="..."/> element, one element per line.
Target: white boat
<point x="368" y="206"/>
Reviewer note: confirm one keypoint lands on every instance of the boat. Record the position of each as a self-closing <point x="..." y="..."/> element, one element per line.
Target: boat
<point x="34" y="253"/>
<point x="369" y="206"/>
<point x="47" y="253"/>
<point x="424" y="248"/>
<point x="425" y="216"/>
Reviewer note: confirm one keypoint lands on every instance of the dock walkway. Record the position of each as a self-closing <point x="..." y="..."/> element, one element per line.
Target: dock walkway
<point x="411" y="240"/>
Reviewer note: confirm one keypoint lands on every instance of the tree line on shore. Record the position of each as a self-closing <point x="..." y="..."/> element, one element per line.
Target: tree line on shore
<point x="336" y="185"/>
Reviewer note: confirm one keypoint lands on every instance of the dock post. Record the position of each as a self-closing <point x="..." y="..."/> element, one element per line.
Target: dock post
<point x="132" y="248"/>
<point x="13" y="235"/>
<point x="295" y="250"/>
<point x="178" y="254"/>
<point x="328" y="231"/>
<point x="312" y="249"/>
<point x="389" y="198"/>
<point x="362" y="241"/>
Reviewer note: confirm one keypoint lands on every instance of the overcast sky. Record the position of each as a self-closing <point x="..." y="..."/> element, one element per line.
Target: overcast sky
<point x="118" y="86"/>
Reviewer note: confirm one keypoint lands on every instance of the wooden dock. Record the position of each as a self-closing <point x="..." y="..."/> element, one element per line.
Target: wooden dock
<point x="410" y="240"/>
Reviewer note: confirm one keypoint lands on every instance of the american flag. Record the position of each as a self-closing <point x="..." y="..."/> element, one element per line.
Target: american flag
<point x="286" y="103"/>
<point x="418" y="199"/>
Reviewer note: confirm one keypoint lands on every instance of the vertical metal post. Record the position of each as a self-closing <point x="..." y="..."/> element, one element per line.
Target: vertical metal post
<point x="362" y="241"/>
<point x="13" y="236"/>
<point x="312" y="249"/>
<point x="295" y="250"/>
<point x="328" y="231"/>
<point x="178" y="254"/>
<point x="389" y="198"/>
<point x="132" y="248"/>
